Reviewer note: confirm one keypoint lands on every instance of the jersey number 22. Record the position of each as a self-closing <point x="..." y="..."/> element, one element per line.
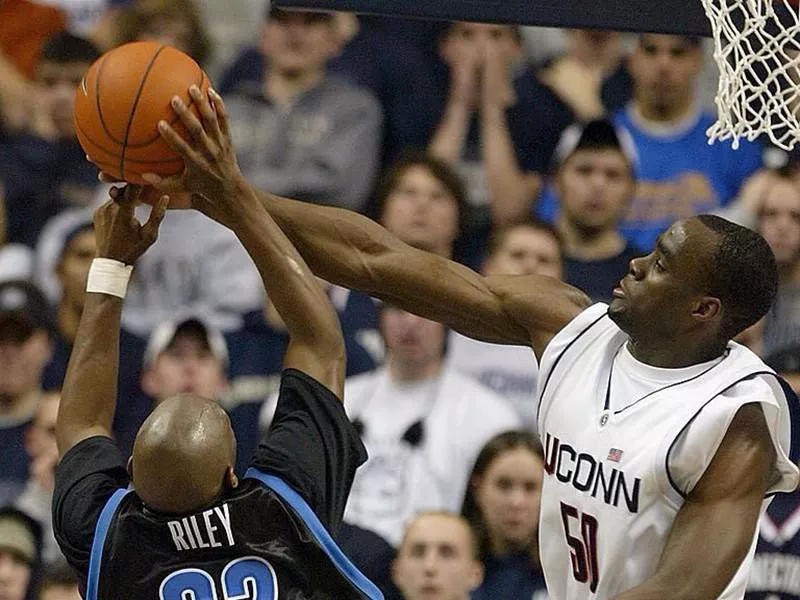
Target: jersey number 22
<point x="242" y="579"/>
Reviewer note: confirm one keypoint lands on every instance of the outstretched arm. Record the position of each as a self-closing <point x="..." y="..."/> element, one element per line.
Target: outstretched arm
<point x="715" y="527"/>
<point x="350" y="250"/>
<point x="316" y="345"/>
<point x="89" y="394"/>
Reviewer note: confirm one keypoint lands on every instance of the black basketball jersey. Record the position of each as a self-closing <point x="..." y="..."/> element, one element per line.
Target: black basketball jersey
<point x="267" y="539"/>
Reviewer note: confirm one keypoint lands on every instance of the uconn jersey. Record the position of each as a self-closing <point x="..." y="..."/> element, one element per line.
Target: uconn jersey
<point x="624" y="443"/>
<point x="268" y="538"/>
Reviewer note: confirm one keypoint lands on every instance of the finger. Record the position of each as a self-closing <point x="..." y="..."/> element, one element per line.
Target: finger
<point x="115" y="192"/>
<point x="150" y="229"/>
<point x="127" y="200"/>
<point x="107" y="178"/>
<point x="181" y="146"/>
<point x="174" y="183"/>
<point x="211" y="125"/>
<point x="195" y="127"/>
<point x="222" y="113"/>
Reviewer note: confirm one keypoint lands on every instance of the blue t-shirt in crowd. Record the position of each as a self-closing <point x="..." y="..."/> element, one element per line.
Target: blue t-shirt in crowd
<point x="680" y="175"/>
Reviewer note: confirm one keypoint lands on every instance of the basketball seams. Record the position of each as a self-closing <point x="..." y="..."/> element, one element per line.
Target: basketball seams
<point x="115" y="155"/>
<point x="99" y="105"/>
<point x="174" y="119"/>
<point x="133" y="109"/>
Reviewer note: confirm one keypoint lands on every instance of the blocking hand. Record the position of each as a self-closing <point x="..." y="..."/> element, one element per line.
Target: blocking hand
<point x="119" y="234"/>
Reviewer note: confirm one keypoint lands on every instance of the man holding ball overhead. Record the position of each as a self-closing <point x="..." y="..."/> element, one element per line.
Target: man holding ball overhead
<point x="189" y="528"/>
<point x="664" y="440"/>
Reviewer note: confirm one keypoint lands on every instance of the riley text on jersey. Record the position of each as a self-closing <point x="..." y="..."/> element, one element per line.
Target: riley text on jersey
<point x="208" y="529"/>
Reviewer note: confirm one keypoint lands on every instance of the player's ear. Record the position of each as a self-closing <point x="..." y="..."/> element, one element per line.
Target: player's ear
<point x="231" y="478"/>
<point x="707" y="308"/>
<point x="130" y="468"/>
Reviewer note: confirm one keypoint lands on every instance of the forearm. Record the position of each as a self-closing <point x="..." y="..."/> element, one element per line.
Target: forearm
<point x="350" y="250"/>
<point x="89" y="394"/>
<point x="451" y="133"/>
<point x="509" y="188"/>
<point x="290" y="284"/>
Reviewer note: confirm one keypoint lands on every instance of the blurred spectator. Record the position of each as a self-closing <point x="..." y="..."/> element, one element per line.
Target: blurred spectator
<point x="43" y="166"/>
<point x="26" y="326"/>
<point x="37" y="497"/>
<point x="16" y="260"/>
<point x="196" y="266"/>
<point x="499" y="125"/>
<point x="26" y="25"/>
<point x="422" y="423"/>
<point x="591" y="76"/>
<point x="257" y="352"/>
<point x="502" y="504"/>
<point x="437" y="558"/>
<point x="174" y="23"/>
<point x="299" y="131"/>
<point x="71" y="271"/>
<point x="185" y="357"/>
<point x="779" y="223"/>
<point x="20" y="540"/>
<point x="74" y="250"/>
<point x="422" y="200"/>
<point x="190" y="356"/>
<point x="380" y="59"/>
<point x="60" y="583"/>
<point x="594" y="184"/>
<point x="679" y="173"/>
<point x="83" y="16"/>
<point x="520" y="249"/>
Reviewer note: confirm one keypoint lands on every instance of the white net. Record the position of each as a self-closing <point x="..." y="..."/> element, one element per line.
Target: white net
<point x="757" y="51"/>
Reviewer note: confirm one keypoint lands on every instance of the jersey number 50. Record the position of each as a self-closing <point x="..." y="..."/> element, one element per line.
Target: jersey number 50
<point x="583" y="549"/>
<point x="242" y="579"/>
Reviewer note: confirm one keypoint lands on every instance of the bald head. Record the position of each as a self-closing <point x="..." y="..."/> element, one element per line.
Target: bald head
<point x="183" y="455"/>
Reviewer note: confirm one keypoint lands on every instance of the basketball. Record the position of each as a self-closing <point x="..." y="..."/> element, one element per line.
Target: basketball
<point x="120" y="101"/>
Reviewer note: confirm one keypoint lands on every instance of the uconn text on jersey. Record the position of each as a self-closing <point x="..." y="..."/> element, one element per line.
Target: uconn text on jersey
<point x="589" y="474"/>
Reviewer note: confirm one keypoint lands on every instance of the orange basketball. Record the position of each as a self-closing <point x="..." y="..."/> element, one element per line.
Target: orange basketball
<point x="122" y="98"/>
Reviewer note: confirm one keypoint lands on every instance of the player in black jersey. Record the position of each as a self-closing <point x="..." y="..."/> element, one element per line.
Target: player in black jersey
<point x="177" y="524"/>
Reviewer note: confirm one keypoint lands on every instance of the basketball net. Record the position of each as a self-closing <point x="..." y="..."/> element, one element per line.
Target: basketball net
<point x="757" y="51"/>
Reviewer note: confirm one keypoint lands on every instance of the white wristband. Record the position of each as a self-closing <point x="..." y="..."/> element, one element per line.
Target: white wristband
<point x="108" y="276"/>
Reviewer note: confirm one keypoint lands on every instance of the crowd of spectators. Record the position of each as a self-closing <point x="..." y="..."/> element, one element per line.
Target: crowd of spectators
<point x="512" y="150"/>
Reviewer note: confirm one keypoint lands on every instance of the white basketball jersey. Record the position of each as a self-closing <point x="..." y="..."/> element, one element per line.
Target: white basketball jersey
<point x="623" y="446"/>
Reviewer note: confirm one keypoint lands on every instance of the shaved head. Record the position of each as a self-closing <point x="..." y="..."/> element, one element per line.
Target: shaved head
<point x="183" y="455"/>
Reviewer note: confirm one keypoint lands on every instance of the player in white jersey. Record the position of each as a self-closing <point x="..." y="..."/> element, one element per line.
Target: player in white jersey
<point x="663" y="439"/>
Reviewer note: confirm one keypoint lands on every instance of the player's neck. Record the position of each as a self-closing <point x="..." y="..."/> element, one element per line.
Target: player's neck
<point x="283" y="88"/>
<point x="585" y="244"/>
<point x="657" y="117"/>
<point x="19" y="407"/>
<point x="410" y="371"/>
<point x="674" y="354"/>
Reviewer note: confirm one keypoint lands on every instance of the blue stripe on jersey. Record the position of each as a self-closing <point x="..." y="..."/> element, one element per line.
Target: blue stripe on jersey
<point x="303" y="510"/>
<point x="100" y="532"/>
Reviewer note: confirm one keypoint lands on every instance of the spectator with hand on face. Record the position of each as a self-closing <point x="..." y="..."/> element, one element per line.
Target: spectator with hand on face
<point x="43" y="167"/>
<point x="493" y="127"/>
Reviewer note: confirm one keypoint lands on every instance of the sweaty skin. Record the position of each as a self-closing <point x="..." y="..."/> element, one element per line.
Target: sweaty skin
<point x="183" y="430"/>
